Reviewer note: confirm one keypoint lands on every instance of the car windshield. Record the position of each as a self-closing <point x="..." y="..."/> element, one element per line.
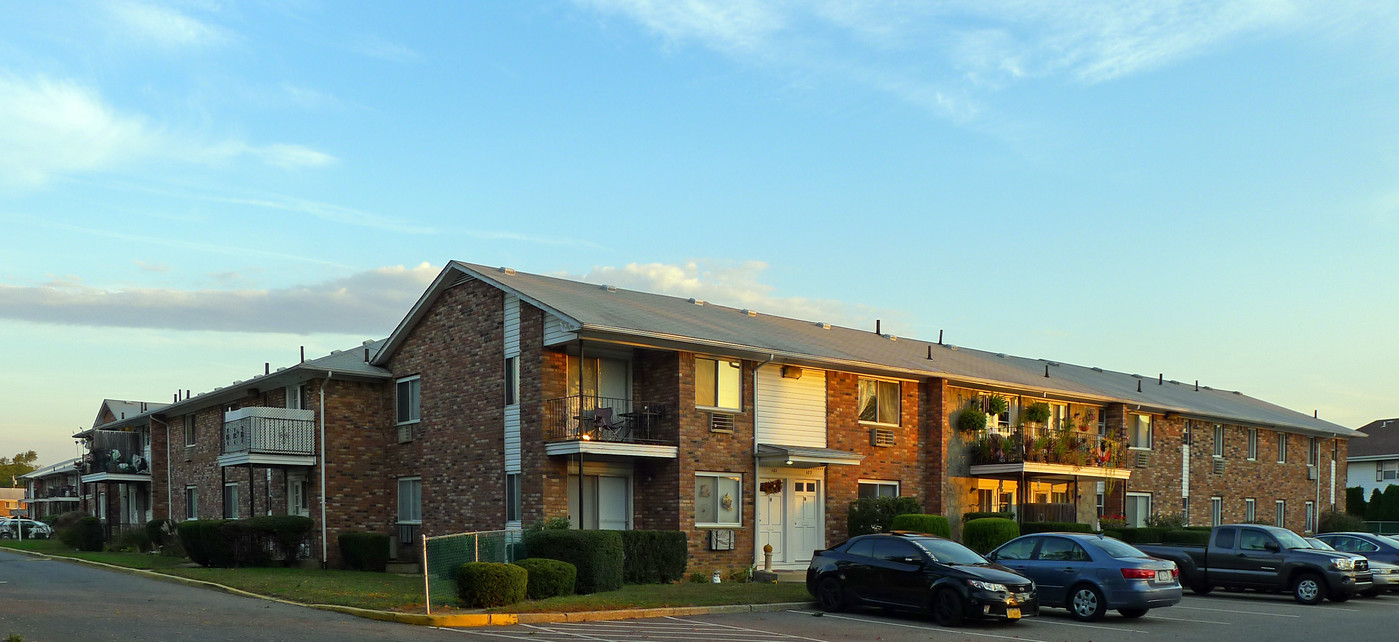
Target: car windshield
<point x="1388" y="539"/>
<point x="1118" y="548"/>
<point x="1316" y="543"/>
<point x="1289" y="539"/>
<point x="947" y="551"/>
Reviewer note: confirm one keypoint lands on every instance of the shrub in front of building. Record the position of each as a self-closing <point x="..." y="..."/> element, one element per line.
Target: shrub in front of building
<point x="967" y="517"/>
<point x="364" y="551"/>
<point x="1055" y="527"/>
<point x="654" y="557"/>
<point x="876" y="514"/>
<point x="1337" y="522"/>
<point x="548" y="578"/>
<point x="922" y="523"/>
<point x="596" y="554"/>
<point x="983" y="535"/>
<point x="488" y="584"/>
<point x="244" y="542"/>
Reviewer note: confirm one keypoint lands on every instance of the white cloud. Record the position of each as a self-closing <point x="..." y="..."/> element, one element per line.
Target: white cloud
<point x="163" y="26"/>
<point x="737" y="285"/>
<point x="937" y="55"/>
<point x="365" y="303"/>
<point x="54" y="128"/>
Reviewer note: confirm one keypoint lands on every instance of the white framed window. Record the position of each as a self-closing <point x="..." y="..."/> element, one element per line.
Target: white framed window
<point x="512" y="381"/>
<point x="102" y="505"/>
<point x="410" y="500"/>
<point x="718" y="383"/>
<point x="1313" y="451"/>
<point x="191" y="502"/>
<point x="512" y="497"/>
<point x="1252" y="444"/>
<point x="1139" y="432"/>
<point x="296" y="397"/>
<point x="718" y="499"/>
<point x="1386" y="470"/>
<point x="879" y="401"/>
<point x="1218" y="441"/>
<point x="1311" y="517"/>
<point x="1250" y="510"/>
<point x="1282" y="449"/>
<point x="191" y="434"/>
<point x="872" y="488"/>
<point x="1138" y="507"/>
<point x="985" y="498"/>
<point x="408" y="394"/>
<point x="230" y="500"/>
<point x="1280" y="507"/>
<point x="1216" y="511"/>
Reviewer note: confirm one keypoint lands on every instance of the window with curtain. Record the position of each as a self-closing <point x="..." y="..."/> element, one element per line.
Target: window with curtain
<point x="879" y="401"/>
<point x="718" y="383"/>
<point x="1139" y="432"/>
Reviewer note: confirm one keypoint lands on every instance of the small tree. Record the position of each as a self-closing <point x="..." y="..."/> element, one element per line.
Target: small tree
<point x="1376" y="504"/>
<point x="1389" y="508"/>
<point x="1355" y="501"/>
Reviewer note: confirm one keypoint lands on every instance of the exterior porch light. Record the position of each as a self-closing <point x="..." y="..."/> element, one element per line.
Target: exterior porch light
<point x="789" y="461"/>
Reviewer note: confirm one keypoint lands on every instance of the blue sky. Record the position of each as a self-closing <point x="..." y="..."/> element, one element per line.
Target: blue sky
<point x="1202" y="189"/>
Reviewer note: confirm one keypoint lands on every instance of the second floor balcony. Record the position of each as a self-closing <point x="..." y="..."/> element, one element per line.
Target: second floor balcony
<point x="268" y="436"/>
<point x="1081" y="451"/>
<point x="116" y="455"/>
<point x="609" y="425"/>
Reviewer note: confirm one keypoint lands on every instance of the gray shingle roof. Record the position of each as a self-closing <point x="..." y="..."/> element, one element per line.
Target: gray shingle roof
<point x="667" y="318"/>
<point x="1383" y="440"/>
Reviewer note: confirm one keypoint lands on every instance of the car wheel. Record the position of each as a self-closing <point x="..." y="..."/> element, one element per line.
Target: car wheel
<point x="1132" y="614"/>
<point x="1370" y="593"/>
<point x="830" y="596"/>
<point x="1201" y="588"/>
<point x="1309" y="589"/>
<point x="1338" y="596"/>
<point x="947" y="608"/>
<point x="1086" y="603"/>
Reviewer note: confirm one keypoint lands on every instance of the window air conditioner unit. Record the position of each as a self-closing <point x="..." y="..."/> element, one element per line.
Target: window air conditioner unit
<point x="1311" y="473"/>
<point x="1143" y="459"/>
<point x="721" y="540"/>
<point x="1219" y="466"/>
<point x="882" y="437"/>
<point x="721" y="422"/>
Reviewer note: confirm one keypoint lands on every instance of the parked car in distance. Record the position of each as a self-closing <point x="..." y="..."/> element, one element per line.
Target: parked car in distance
<point x="33" y="529"/>
<point x="1267" y="558"/>
<point x="1384" y="574"/>
<point x="1091" y="574"/>
<point x="1374" y="547"/>
<point x="921" y="572"/>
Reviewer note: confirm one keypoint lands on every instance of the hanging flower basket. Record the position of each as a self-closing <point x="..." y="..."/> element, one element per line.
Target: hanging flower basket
<point x="771" y="487"/>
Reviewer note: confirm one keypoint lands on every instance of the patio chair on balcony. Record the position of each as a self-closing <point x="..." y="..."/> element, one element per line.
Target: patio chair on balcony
<point x="607" y="428"/>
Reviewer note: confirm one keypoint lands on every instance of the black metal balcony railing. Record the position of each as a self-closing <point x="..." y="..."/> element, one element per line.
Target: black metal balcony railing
<point x="592" y="418"/>
<point x="277" y="431"/>
<point x="1069" y="447"/>
<point x="60" y="491"/>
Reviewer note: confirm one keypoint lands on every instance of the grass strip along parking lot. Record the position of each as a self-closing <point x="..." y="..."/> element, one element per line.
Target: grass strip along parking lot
<point x="404" y="593"/>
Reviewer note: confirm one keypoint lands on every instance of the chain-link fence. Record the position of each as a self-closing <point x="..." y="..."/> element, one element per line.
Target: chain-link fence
<point x="444" y="553"/>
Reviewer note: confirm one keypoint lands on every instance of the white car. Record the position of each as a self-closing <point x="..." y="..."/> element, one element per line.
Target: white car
<point x="33" y="529"/>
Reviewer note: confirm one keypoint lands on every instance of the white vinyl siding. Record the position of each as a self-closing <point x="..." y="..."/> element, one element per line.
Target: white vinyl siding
<point x="512" y="411"/>
<point x="791" y="412"/>
<point x="555" y="332"/>
<point x="512" y="325"/>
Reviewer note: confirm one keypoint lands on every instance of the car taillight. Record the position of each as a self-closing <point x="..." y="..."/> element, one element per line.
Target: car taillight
<point x="1138" y="573"/>
<point x="1175" y="572"/>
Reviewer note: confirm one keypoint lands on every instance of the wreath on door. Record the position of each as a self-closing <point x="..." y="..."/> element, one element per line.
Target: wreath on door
<point x="771" y="486"/>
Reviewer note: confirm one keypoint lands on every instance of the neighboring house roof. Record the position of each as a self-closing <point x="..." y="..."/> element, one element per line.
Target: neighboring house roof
<point x="62" y="467"/>
<point x="121" y="409"/>
<point x="344" y="364"/>
<point x="1383" y="442"/>
<point x="605" y="312"/>
<point x="11" y="494"/>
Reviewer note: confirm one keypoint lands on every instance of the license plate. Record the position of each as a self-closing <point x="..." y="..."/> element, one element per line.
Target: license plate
<point x="1163" y="576"/>
<point x="1012" y="613"/>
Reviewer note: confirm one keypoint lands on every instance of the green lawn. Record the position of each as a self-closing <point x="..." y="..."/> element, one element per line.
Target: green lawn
<point x="405" y="592"/>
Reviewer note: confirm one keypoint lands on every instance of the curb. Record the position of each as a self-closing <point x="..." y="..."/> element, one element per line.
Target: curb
<point x="460" y="620"/>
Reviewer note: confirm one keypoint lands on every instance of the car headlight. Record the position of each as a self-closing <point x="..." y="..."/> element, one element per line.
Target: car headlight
<point x="988" y="586"/>
<point x="1343" y="564"/>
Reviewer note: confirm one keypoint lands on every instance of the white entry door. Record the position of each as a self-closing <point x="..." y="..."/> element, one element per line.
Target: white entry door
<point x="296" y="495"/>
<point x="772" y="524"/>
<point x="612" y="503"/>
<point x="806" y="529"/>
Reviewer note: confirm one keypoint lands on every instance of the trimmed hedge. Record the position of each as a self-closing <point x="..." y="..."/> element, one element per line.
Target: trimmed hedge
<point x="363" y="551"/>
<point x="1185" y="537"/>
<point x="1113" y="534"/>
<point x="488" y="584"/>
<point x="967" y="517"/>
<point x="244" y="542"/>
<point x="596" y="554"/>
<point x="1338" y="522"/>
<point x="1054" y="527"/>
<point x="548" y="578"/>
<point x="876" y="515"/>
<point x="84" y="534"/>
<point x="983" y="535"/>
<point x="653" y="557"/>
<point x="1145" y="535"/>
<point x="160" y="532"/>
<point x="933" y="524"/>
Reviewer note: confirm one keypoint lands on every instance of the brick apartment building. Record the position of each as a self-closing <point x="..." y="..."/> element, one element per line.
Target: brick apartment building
<point x="505" y="398"/>
<point x="51" y="490"/>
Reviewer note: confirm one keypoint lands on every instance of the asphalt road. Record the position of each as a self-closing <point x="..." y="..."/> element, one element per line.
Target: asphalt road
<point x="45" y="600"/>
<point x="1228" y="616"/>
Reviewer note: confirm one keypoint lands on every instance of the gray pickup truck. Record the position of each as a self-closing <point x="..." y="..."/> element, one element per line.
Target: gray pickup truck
<point x="1266" y="558"/>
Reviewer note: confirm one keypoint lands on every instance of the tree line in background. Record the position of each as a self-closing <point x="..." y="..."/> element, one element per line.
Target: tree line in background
<point x="1381" y="507"/>
<point x="12" y="468"/>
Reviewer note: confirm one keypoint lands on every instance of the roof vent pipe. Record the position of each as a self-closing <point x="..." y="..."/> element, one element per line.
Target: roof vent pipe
<point x="1314" y="416"/>
<point x="303" y="354"/>
<point x="1197" y="385"/>
<point x="930" y="352"/>
<point x="186" y="393"/>
<point x="267" y="367"/>
<point x="366" y="355"/>
<point x="1161" y="379"/>
<point x="939" y="337"/>
<point x="1139" y="385"/>
<point x="876" y="327"/>
<point x="1046" y="371"/>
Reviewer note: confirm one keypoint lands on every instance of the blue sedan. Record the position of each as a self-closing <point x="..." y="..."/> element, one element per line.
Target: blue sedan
<point x="1090" y="574"/>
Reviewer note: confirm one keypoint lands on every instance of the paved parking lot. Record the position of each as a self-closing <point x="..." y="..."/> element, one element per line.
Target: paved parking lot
<point x="1227" y="616"/>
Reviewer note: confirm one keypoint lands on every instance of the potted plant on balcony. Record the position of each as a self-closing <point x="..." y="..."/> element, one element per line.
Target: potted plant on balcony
<point x="1037" y="412"/>
<point x="971" y="419"/>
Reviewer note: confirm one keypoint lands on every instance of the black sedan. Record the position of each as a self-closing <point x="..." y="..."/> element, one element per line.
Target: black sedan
<point x="918" y="572"/>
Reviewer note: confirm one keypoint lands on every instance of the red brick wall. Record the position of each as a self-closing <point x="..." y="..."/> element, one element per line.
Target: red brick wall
<point x="844" y="431"/>
<point x="716" y="452"/>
